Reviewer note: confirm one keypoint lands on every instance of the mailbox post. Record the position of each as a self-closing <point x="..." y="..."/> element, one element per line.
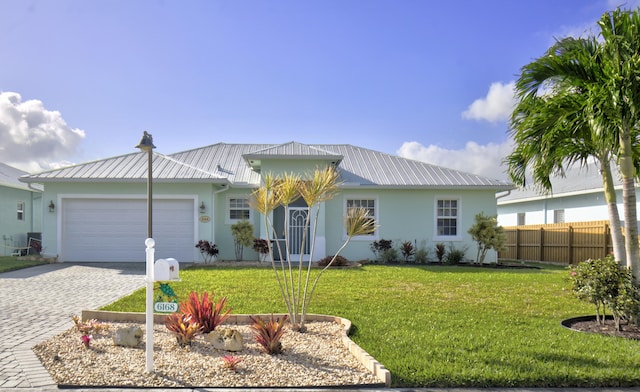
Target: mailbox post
<point x="150" y="243"/>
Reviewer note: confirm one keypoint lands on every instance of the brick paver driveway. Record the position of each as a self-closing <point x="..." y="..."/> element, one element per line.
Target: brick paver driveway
<point x="37" y="303"/>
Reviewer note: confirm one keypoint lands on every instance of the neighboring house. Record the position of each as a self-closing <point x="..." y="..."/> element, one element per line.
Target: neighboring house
<point x="20" y="210"/>
<point x="198" y="194"/>
<point x="577" y="197"/>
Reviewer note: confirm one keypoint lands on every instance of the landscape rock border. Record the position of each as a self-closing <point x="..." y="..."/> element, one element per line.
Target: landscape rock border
<point x="369" y="362"/>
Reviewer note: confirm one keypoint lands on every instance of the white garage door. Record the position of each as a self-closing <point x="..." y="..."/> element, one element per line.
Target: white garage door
<point x="115" y="229"/>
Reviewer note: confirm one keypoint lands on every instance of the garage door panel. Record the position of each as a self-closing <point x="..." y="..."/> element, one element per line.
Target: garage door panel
<point x="115" y="229"/>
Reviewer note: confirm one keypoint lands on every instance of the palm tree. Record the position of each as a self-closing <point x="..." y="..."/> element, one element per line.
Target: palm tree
<point x="591" y="109"/>
<point x="621" y="34"/>
<point x="553" y="124"/>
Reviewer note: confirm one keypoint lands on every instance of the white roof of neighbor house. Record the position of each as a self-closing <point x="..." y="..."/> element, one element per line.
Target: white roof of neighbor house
<point x="223" y="163"/>
<point x="577" y="180"/>
<point x="9" y="177"/>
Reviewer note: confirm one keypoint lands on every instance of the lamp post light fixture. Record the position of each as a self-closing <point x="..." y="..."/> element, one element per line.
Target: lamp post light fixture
<point x="146" y="145"/>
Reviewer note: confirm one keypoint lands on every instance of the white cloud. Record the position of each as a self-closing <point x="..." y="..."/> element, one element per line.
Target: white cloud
<point x="474" y="158"/>
<point x="33" y="138"/>
<point x="496" y="106"/>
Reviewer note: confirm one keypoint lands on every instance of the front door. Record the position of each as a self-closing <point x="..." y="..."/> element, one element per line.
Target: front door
<point x="296" y="223"/>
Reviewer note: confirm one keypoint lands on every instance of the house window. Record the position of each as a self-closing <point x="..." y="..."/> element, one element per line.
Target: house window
<point x="447" y="216"/>
<point x="369" y="205"/>
<point x="558" y="216"/>
<point x="521" y="221"/>
<point x="20" y="211"/>
<point x="239" y="209"/>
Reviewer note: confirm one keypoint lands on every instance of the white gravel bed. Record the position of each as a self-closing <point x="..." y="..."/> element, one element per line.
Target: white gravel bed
<point x="314" y="358"/>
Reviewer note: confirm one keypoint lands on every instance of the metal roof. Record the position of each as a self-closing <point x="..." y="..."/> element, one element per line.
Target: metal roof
<point x="9" y="177"/>
<point x="223" y="162"/>
<point x="577" y="180"/>
<point x="131" y="167"/>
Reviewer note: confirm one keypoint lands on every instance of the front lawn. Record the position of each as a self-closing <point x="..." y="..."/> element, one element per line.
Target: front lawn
<point x="441" y="326"/>
<point x="11" y="263"/>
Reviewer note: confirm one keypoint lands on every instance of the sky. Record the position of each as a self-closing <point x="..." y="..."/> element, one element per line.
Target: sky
<point x="427" y="80"/>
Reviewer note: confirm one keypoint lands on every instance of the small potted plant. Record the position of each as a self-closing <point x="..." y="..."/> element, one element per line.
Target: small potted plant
<point x="261" y="246"/>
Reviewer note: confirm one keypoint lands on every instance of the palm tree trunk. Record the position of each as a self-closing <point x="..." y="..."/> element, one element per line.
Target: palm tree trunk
<point x="627" y="172"/>
<point x="617" y="239"/>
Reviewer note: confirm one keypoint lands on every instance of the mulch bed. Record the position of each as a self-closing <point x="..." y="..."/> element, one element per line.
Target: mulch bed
<point x="588" y="324"/>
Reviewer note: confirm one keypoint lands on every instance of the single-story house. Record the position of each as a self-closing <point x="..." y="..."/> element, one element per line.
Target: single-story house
<point x="577" y="197"/>
<point x="20" y="210"/>
<point x="101" y="212"/>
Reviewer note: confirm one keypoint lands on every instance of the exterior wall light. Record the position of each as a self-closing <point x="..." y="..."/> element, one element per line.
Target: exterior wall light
<point x="203" y="208"/>
<point x="52" y="207"/>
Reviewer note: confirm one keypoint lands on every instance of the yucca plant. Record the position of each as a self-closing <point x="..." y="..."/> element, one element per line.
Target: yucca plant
<point x="268" y="334"/>
<point x="315" y="189"/>
<point x="183" y="327"/>
<point x="204" y="312"/>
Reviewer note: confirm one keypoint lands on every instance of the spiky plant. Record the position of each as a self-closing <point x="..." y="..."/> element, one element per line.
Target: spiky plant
<point x="184" y="328"/>
<point x="204" y="312"/>
<point x="268" y="334"/>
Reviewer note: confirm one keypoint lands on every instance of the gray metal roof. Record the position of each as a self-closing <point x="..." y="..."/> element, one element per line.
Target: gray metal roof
<point x="576" y="180"/>
<point x="9" y="177"/>
<point x="223" y="162"/>
<point x="131" y="167"/>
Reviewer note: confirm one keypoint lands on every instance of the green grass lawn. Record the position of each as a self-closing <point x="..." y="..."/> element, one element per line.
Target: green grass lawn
<point x="441" y="326"/>
<point x="11" y="263"/>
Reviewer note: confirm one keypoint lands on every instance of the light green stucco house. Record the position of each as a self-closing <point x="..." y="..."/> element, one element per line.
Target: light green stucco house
<point x="20" y="210"/>
<point x="198" y="194"/>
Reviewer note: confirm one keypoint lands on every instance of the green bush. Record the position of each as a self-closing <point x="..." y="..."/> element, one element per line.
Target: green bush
<point x="340" y="261"/>
<point x="606" y="284"/>
<point x="454" y="255"/>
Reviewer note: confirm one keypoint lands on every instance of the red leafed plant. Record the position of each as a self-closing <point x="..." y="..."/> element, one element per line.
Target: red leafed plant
<point x="268" y="334"/>
<point x="231" y="362"/>
<point x="204" y="312"/>
<point x="183" y="327"/>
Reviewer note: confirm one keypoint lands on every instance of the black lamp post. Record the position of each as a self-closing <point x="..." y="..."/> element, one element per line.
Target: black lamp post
<point x="146" y="145"/>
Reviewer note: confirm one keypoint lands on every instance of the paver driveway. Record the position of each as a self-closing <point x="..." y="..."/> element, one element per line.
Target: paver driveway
<point x="37" y="303"/>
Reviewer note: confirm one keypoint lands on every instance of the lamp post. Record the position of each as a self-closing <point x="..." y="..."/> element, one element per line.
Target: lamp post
<point x="146" y="145"/>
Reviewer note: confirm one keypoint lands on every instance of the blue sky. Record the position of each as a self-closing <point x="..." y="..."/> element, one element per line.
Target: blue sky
<point x="81" y="80"/>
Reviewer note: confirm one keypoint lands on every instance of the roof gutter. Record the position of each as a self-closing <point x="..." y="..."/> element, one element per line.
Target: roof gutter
<point x="505" y="194"/>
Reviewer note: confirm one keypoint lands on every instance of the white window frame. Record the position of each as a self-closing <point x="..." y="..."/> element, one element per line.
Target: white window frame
<point x="20" y="211"/>
<point x="558" y="216"/>
<point x="376" y="206"/>
<point x="458" y="218"/>
<point x="521" y="219"/>
<point x="228" y="209"/>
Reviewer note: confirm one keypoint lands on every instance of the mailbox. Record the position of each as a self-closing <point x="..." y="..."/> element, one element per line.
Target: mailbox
<point x="166" y="270"/>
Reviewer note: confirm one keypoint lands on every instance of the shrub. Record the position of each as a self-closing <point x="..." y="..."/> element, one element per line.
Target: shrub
<point x="207" y="250"/>
<point x="339" y="261"/>
<point x="203" y="311"/>
<point x="440" y="252"/>
<point x="408" y="250"/>
<point x="183" y="327"/>
<point x="268" y="334"/>
<point x="380" y="247"/>
<point x="260" y="245"/>
<point x="422" y="254"/>
<point x="454" y="255"/>
<point x="487" y="234"/>
<point x="604" y="283"/>
<point x="389" y="256"/>
<point x="242" y="233"/>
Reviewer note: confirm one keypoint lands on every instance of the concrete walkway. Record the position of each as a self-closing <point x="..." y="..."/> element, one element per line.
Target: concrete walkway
<point x="37" y="303"/>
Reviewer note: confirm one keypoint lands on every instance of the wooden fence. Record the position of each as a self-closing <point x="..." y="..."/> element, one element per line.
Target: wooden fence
<point x="567" y="243"/>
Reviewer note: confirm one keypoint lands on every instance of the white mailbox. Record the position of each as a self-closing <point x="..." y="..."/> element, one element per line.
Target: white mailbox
<point x="174" y="269"/>
<point x="166" y="270"/>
